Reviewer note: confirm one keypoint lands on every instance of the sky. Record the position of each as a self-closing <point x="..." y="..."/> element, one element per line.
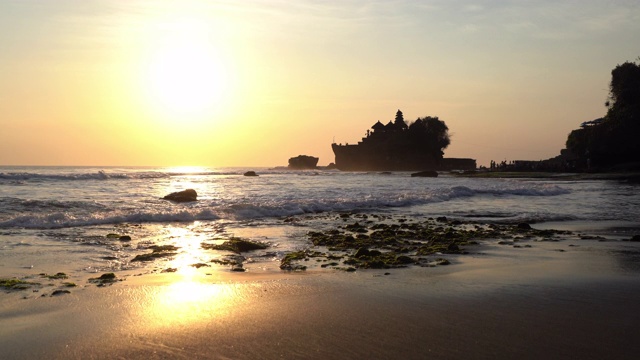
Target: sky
<point x="253" y="83"/>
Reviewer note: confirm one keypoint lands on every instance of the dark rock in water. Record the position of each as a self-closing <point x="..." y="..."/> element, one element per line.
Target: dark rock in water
<point x="635" y="238"/>
<point x="183" y="196"/>
<point x="303" y="162"/>
<point x="331" y="166"/>
<point x="426" y="173"/>
<point x="125" y="238"/>
<point x="524" y="226"/>
<point x="250" y="173"/>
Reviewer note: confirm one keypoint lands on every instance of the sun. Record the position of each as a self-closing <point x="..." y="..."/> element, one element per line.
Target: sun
<point x="185" y="75"/>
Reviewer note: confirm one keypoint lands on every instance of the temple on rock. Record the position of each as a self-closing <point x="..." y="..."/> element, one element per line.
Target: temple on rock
<point x="398" y="146"/>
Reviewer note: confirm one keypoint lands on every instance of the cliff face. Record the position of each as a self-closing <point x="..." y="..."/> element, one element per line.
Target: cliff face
<point x="363" y="157"/>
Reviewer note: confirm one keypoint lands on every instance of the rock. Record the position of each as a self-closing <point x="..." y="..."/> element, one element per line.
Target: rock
<point x="635" y="238"/>
<point x="303" y="162"/>
<point x="236" y="245"/>
<point x="403" y="259"/>
<point x="361" y="252"/>
<point x="250" y="173"/>
<point x="125" y="238"/>
<point x="426" y="173"/>
<point x="60" y="292"/>
<point x="524" y="226"/>
<point x="182" y="196"/>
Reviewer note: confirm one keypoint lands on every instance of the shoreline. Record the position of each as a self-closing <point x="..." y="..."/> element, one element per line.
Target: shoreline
<point x="571" y="298"/>
<point x="633" y="177"/>
<point x="472" y="311"/>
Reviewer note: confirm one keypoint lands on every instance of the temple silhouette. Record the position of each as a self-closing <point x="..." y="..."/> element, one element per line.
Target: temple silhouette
<point x="398" y="146"/>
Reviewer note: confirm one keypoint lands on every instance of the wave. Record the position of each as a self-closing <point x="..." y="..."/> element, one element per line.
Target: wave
<point x="65" y="220"/>
<point x="99" y="175"/>
<point x="21" y="177"/>
<point x="20" y="213"/>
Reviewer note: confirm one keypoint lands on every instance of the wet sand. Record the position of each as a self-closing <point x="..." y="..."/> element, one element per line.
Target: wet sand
<point x="572" y="299"/>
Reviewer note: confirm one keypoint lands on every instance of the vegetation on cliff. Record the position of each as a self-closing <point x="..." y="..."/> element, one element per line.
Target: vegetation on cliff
<point x="613" y="139"/>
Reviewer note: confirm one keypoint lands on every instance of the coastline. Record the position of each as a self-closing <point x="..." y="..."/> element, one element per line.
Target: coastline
<point x="559" y="299"/>
<point x="618" y="176"/>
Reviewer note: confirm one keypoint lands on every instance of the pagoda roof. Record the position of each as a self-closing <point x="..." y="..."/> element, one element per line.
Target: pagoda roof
<point x="377" y="125"/>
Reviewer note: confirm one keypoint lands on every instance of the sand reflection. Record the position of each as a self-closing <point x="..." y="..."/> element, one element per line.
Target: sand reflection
<point x="188" y="302"/>
<point x="188" y="294"/>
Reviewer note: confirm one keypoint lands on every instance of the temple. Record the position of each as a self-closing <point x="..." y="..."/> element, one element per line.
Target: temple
<point x="397" y="146"/>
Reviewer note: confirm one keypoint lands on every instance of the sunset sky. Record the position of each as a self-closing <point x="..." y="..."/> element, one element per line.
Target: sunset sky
<point x="253" y="83"/>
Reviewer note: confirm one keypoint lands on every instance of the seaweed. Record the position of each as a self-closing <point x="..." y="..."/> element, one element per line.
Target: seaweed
<point x="16" y="284"/>
<point x="159" y="251"/>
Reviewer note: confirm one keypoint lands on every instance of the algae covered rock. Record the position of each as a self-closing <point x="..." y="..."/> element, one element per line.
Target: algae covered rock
<point x="104" y="279"/>
<point x="235" y="245"/>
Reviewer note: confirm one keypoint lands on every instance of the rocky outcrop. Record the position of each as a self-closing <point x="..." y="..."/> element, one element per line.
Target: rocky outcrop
<point x="250" y="173"/>
<point x="183" y="196"/>
<point x="303" y="162"/>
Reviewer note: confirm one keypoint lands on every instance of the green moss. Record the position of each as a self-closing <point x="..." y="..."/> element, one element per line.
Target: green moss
<point x="288" y="261"/>
<point x="16" y="284"/>
<point x="59" y="275"/>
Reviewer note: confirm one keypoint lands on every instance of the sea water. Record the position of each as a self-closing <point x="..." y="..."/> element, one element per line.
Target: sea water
<point x="60" y="216"/>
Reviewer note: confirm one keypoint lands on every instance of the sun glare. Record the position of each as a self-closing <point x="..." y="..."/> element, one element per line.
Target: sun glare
<point x="186" y="75"/>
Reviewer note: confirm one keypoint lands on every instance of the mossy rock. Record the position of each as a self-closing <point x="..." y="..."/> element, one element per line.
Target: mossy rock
<point x="153" y="256"/>
<point x="158" y="251"/>
<point x="235" y="245"/>
<point x="104" y="279"/>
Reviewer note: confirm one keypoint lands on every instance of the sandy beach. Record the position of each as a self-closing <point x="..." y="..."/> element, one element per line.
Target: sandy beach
<point x="555" y="300"/>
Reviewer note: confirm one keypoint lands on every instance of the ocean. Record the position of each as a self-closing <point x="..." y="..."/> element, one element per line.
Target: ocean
<point x="58" y="218"/>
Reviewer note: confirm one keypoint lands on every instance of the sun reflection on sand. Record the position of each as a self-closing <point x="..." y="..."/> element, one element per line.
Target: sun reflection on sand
<point x="189" y="302"/>
<point x="187" y="295"/>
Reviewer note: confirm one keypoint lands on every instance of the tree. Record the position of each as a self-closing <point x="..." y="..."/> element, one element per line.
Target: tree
<point x="429" y="134"/>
